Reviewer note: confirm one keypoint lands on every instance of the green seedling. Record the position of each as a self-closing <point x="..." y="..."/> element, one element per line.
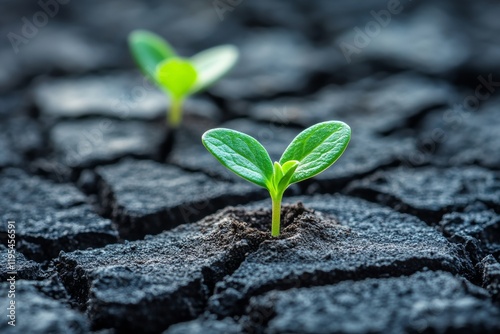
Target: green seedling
<point x="310" y="153"/>
<point x="179" y="77"/>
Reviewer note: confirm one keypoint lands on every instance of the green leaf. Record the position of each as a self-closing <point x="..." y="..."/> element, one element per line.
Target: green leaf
<point x="212" y="64"/>
<point x="287" y="166"/>
<point x="177" y="76"/>
<point x="277" y="174"/>
<point x="289" y="169"/>
<point x="240" y="153"/>
<point x="148" y="50"/>
<point x="317" y="148"/>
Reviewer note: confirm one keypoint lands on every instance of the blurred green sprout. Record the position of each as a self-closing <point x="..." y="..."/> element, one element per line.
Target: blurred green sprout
<point x="179" y="77"/>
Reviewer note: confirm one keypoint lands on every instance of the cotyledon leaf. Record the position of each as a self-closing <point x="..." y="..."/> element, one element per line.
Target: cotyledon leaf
<point x="212" y="64"/>
<point x="317" y="148"/>
<point x="148" y="50"/>
<point x="240" y="153"/>
<point x="177" y="76"/>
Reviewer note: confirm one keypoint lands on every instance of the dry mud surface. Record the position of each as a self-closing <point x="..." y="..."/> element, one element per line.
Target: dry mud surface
<point x="125" y="227"/>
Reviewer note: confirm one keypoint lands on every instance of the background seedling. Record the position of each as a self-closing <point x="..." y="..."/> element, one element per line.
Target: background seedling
<point x="310" y="153"/>
<point x="179" y="77"/>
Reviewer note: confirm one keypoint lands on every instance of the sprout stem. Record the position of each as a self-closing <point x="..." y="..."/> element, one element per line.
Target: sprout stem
<point x="275" y="225"/>
<point x="175" y="113"/>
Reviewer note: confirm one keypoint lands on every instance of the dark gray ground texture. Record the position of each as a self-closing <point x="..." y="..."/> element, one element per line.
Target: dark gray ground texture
<point x="123" y="226"/>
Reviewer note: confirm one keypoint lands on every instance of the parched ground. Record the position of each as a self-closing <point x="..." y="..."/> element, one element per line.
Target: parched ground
<point x="124" y="227"/>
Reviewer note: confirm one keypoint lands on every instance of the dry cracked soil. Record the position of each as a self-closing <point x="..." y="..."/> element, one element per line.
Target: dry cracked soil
<point x="122" y="226"/>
